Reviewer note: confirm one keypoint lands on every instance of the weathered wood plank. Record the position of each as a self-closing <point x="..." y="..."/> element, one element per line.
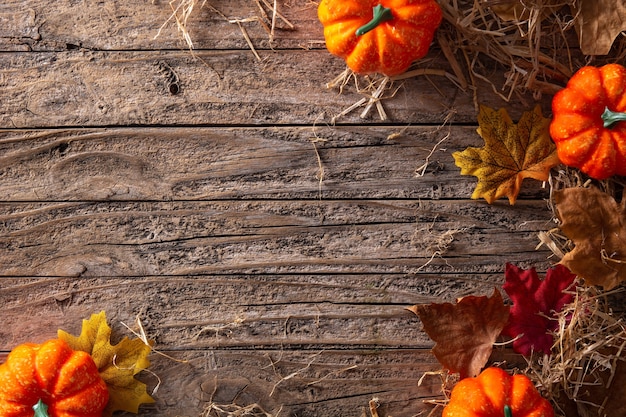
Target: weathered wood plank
<point x="126" y="238"/>
<point x="237" y="163"/>
<point x="320" y="382"/>
<point x="216" y="87"/>
<point x="135" y="24"/>
<point x="310" y="311"/>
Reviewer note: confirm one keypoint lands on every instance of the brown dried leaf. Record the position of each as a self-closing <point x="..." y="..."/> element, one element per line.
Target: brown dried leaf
<point x="464" y="332"/>
<point x="598" y="23"/>
<point x="596" y="224"/>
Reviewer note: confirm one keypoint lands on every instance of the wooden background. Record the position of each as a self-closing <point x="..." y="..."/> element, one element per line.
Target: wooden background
<point x="271" y="250"/>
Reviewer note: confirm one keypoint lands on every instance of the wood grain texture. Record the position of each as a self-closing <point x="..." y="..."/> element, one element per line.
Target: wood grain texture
<point x="114" y="25"/>
<point x="267" y="249"/>
<point x="238" y="163"/>
<point x="85" y="89"/>
<point x="270" y="237"/>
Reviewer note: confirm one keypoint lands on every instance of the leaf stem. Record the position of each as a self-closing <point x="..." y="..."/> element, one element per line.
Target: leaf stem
<point x="507" y="411"/>
<point x="41" y="409"/>
<point x="381" y="14"/>
<point x="610" y="118"/>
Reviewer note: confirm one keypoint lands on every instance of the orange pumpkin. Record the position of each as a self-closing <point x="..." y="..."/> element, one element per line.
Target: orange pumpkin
<point x="52" y="378"/>
<point x="588" y="125"/>
<point x="495" y="393"/>
<point x="383" y="36"/>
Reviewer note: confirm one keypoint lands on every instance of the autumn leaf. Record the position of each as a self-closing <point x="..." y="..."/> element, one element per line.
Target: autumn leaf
<point x="464" y="332"/>
<point x="117" y="364"/>
<point x="598" y="23"/>
<point x="536" y="304"/>
<point x="596" y="224"/>
<point x="511" y="153"/>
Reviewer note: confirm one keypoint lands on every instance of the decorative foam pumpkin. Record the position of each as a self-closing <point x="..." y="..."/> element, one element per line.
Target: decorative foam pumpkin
<point x="495" y="393"/>
<point x="383" y="36"/>
<point x="588" y="125"/>
<point x="51" y="379"/>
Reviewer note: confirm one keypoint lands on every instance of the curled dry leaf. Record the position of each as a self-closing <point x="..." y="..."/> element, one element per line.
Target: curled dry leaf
<point x="536" y="304"/>
<point x="598" y="23"/>
<point x="596" y="224"/>
<point x="117" y="364"/>
<point x="464" y="332"/>
<point x="512" y="152"/>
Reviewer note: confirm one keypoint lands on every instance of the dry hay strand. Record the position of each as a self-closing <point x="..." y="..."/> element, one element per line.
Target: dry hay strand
<point x="182" y="10"/>
<point x="375" y="88"/>
<point x="589" y="347"/>
<point x="234" y="410"/>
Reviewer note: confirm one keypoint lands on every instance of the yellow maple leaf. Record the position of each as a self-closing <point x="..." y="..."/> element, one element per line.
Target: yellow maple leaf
<point x="512" y="152"/>
<point x="117" y="364"/>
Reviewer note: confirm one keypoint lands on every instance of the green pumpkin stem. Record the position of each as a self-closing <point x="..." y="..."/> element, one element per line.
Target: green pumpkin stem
<point x="610" y="117"/>
<point x="507" y="411"/>
<point x="381" y="14"/>
<point x="41" y="410"/>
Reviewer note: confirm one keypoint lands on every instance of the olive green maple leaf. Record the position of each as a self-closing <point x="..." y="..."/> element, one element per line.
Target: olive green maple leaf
<point x="511" y="153"/>
<point x="117" y="364"/>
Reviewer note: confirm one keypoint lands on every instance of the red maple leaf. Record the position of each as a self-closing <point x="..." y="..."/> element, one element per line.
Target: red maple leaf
<point x="536" y="303"/>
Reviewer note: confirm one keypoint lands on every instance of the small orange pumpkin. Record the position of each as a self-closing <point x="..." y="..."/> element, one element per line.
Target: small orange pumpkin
<point x="588" y="125"/>
<point x="52" y="380"/>
<point x="495" y="393"/>
<point x="383" y="36"/>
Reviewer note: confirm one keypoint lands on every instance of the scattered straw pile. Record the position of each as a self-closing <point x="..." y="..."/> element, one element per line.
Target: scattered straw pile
<point x="533" y="49"/>
<point x="584" y="374"/>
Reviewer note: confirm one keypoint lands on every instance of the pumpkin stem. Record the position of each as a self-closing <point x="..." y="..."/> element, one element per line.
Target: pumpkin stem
<point x="41" y="409"/>
<point x="381" y="14"/>
<point x="610" y="117"/>
<point x="507" y="411"/>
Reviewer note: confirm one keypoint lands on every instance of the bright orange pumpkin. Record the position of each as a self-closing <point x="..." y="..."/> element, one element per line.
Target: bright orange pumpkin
<point x="588" y="125"/>
<point x="383" y="36"/>
<point x="53" y="378"/>
<point x="495" y="393"/>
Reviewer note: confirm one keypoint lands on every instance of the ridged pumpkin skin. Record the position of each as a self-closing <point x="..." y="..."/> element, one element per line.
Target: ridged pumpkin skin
<point x="577" y="128"/>
<point x="389" y="48"/>
<point x="67" y="381"/>
<point x="488" y="393"/>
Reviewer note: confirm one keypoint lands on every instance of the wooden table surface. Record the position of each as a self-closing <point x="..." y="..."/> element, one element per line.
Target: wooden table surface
<point x="272" y="250"/>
